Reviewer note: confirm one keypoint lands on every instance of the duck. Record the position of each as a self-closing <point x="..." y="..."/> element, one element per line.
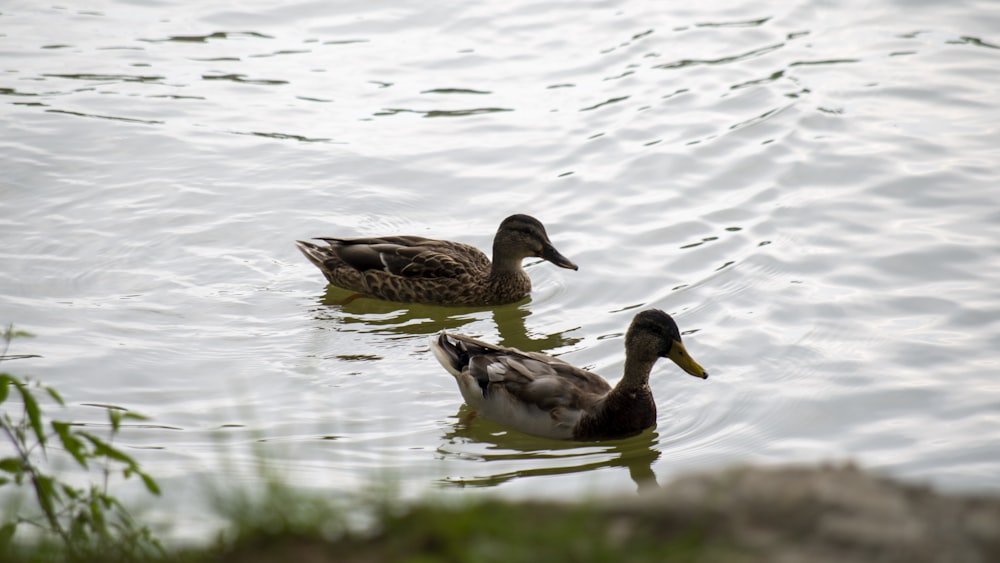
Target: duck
<point x="416" y="269"/>
<point x="544" y="396"/>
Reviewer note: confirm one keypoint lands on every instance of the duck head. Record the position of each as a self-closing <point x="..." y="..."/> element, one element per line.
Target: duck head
<point x="523" y="236"/>
<point x="659" y="330"/>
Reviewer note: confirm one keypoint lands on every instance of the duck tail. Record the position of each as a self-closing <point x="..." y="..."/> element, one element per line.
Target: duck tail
<point x="314" y="252"/>
<point x="450" y="352"/>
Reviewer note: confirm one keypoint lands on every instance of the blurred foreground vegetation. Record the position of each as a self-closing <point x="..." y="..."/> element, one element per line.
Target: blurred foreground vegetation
<point x="817" y="514"/>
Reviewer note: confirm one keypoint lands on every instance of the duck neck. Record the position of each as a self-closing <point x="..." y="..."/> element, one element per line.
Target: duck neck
<point x="503" y="258"/>
<point x="507" y="280"/>
<point x="506" y="265"/>
<point x="629" y="408"/>
<point x="637" y="369"/>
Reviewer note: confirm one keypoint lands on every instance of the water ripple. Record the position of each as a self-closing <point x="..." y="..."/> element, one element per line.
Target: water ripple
<point x="808" y="189"/>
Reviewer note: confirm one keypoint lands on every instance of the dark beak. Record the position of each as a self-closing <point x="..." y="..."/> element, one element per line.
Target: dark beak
<point x="552" y="255"/>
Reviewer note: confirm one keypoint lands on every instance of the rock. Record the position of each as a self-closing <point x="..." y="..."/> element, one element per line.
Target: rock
<point x="826" y="513"/>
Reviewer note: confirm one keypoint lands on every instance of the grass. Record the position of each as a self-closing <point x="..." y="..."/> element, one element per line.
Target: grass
<point x="284" y="526"/>
<point x="487" y="531"/>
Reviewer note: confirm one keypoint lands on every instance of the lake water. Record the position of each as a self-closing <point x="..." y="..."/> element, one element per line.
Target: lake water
<point x="810" y="188"/>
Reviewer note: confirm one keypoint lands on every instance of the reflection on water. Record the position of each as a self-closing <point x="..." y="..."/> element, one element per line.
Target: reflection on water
<point x="409" y="319"/>
<point x="636" y="454"/>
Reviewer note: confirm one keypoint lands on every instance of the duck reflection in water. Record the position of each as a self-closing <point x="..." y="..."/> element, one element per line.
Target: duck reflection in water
<point x="412" y="319"/>
<point x="543" y="457"/>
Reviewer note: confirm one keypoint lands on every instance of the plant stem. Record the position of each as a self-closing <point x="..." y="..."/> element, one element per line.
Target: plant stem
<point x="43" y="497"/>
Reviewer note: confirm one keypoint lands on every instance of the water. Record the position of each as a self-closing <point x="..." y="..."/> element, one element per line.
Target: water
<point x="809" y="188"/>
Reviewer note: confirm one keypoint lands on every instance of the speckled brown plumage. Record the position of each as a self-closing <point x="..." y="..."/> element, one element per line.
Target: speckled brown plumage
<point x="422" y="270"/>
<point x="545" y="396"/>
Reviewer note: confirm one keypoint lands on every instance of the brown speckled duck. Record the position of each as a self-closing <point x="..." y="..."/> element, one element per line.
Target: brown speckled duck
<point x="421" y="270"/>
<point x="545" y="396"/>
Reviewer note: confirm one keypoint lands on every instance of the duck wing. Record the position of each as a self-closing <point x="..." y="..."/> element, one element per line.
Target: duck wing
<point x="529" y="391"/>
<point x="547" y="383"/>
<point x="410" y="256"/>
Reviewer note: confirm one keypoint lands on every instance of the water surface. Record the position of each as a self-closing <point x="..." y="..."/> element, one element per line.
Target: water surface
<point x="809" y="188"/>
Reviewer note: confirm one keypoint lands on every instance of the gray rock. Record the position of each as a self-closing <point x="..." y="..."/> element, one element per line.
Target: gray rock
<point x="821" y="514"/>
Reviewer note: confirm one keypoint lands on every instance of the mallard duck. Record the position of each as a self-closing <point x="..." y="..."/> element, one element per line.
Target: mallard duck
<point x="545" y="396"/>
<point x="421" y="270"/>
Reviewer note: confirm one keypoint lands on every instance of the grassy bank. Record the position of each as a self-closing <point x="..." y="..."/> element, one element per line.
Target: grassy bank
<point x="817" y="514"/>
